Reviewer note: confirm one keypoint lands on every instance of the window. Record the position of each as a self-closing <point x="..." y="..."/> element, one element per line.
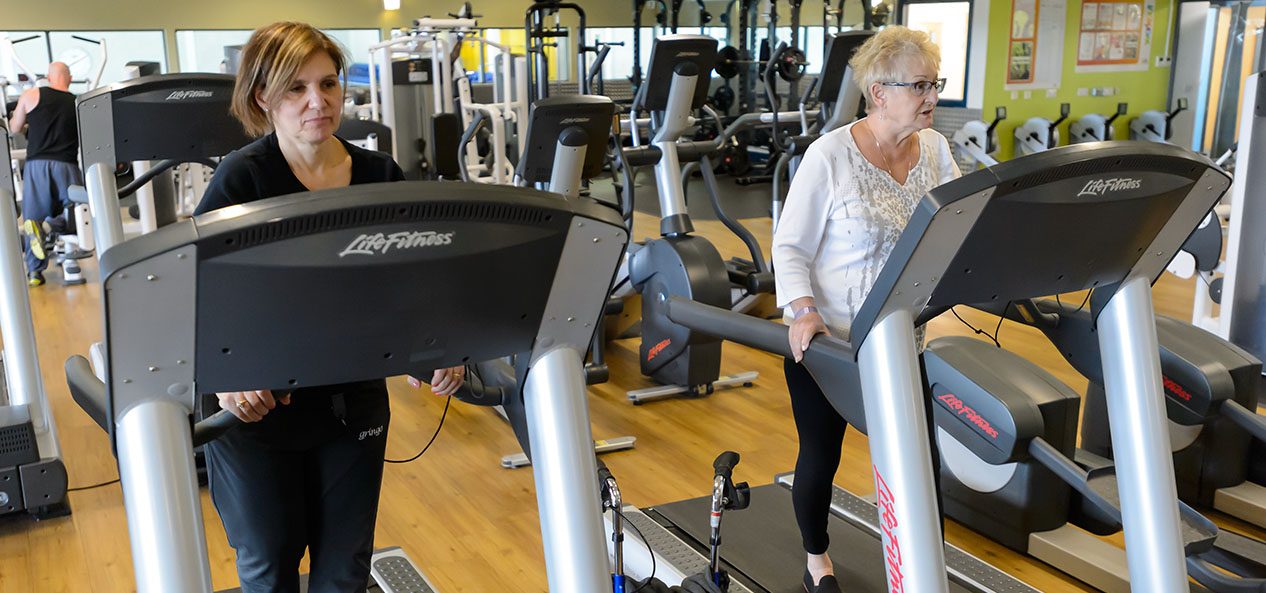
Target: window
<point x="355" y="42"/>
<point x="31" y="48"/>
<point x="78" y="50"/>
<point x="949" y="24"/>
<point x="619" y="62"/>
<point x="560" y="65"/>
<point x="82" y="51"/>
<point x="203" y="50"/>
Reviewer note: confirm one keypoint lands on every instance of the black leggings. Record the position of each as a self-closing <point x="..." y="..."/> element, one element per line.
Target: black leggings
<point x="821" y="431"/>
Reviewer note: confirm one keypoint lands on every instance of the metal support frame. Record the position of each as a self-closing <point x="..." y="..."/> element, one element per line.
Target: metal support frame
<point x="160" y="494"/>
<point x="103" y="202"/>
<point x="441" y="77"/>
<point x="900" y="453"/>
<point x="564" y="468"/>
<point x="1140" y="444"/>
<point x="1243" y="315"/>
<point x="674" y="121"/>
<point x="568" y="162"/>
<point x="512" y="108"/>
<point x="23" y="381"/>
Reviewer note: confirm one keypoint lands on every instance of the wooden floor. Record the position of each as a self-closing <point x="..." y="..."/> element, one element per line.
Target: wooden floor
<point x="469" y="524"/>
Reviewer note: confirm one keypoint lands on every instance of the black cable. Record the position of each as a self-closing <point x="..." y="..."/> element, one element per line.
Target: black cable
<point x="428" y="443"/>
<point x="92" y="486"/>
<point x="646" y="543"/>
<point x="980" y="331"/>
<point x="1079" y="308"/>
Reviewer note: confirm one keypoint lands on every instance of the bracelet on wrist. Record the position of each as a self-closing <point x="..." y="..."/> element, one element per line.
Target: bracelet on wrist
<point x="802" y="312"/>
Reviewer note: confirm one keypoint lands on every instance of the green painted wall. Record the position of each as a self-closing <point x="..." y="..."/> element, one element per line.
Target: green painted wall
<point x="1143" y="90"/>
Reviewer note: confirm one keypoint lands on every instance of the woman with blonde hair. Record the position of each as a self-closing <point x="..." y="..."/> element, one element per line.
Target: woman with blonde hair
<point x="849" y="202"/>
<point x="305" y="474"/>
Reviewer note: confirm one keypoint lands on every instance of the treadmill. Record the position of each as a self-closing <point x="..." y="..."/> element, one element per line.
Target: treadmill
<point x="178" y="322"/>
<point x="32" y="474"/>
<point x="1137" y="217"/>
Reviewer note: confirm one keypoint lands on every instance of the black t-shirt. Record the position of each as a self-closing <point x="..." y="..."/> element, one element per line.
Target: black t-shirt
<point x="316" y="414"/>
<point x="259" y="170"/>
<point x="52" y="133"/>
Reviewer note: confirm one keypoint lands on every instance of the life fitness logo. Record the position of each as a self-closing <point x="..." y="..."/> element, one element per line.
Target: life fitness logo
<point x="957" y="406"/>
<point x="1099" y="187"/>
<point x="888" y="523"/>
<point x="657" y="348"/>
<point x="380" y="243"/>
<point x="190" y="94"/>
<point x="1173" y="387"/>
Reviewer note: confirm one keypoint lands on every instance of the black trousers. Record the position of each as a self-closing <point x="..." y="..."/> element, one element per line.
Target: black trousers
<point x="279" y="492"/>
<point x="821" y="432"/>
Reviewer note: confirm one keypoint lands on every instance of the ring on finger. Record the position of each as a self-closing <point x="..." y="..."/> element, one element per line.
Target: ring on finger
<point x="241" y="405"/>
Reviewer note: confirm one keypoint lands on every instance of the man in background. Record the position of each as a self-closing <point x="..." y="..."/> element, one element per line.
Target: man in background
<point x="52" y="157"/>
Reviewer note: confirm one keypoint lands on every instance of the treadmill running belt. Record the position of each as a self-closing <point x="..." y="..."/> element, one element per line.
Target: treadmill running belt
<point x="764" y="542"/>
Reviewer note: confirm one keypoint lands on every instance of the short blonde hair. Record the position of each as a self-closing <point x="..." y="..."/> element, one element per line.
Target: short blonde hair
<point x="882" y="57"/>
<point x="270" y="61"/>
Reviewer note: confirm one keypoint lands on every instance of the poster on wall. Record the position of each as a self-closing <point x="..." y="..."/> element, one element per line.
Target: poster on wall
<point x="1024" y="14"/>
<point x="1115" y="35"/>
<point x="1035" y="53"/>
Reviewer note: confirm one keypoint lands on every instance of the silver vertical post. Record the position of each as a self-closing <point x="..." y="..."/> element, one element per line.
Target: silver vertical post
<point x="892" y="390"/>
<point x="566" y="471"/>
<point x="103" y="199"/>
<point x="672" y="199"/>
<point x="21" y="361"/>
<point x="160" y="494"/>
<point x="1140" y="440"/>
<point x="569" y="162"/>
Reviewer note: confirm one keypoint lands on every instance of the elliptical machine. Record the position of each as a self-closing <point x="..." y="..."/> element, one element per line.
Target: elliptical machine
<point x="679" y="262"/>
<point x="565" y="146"/>
<point x="1094" y="127"/>
<point x="1038" y="133"/>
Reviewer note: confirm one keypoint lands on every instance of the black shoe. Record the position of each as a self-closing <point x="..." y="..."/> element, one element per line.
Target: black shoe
<point x="35" y="279"/>
<point x="828" y="584"/>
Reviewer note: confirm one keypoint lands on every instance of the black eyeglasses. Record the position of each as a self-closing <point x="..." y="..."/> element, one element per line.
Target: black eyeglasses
<point x="920" y="87"/>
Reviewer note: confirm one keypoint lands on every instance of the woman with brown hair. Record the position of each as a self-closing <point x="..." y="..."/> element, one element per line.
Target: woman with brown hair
<point x="305" y="474"/>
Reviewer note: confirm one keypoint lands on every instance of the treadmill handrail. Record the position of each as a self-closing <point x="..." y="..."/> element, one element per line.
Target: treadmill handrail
<point x="830" y="360"/>
<point x="750" y="331"/>
<point x="91" y="394"/>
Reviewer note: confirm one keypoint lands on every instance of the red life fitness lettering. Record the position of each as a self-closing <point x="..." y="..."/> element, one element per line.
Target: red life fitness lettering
<point x="888" y="522"/>
<point x="958" y="407"/>
<point x="1176" y="389"/>
<point x="657" y="348"/>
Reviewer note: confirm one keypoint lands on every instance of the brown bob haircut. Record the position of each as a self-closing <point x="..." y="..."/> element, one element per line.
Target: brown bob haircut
<point x="270" y="61"/>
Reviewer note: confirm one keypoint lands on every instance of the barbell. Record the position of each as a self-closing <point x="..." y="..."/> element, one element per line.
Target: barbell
<point x="790" y="63"/>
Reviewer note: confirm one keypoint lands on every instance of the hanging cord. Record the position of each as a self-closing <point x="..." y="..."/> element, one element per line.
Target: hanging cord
<point x="92" y="486"/>
<point x="646" y="543"/>
<point x="1079" y="308"/>
<point x="982" y="332"/>
<point x="428" y="443"/>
